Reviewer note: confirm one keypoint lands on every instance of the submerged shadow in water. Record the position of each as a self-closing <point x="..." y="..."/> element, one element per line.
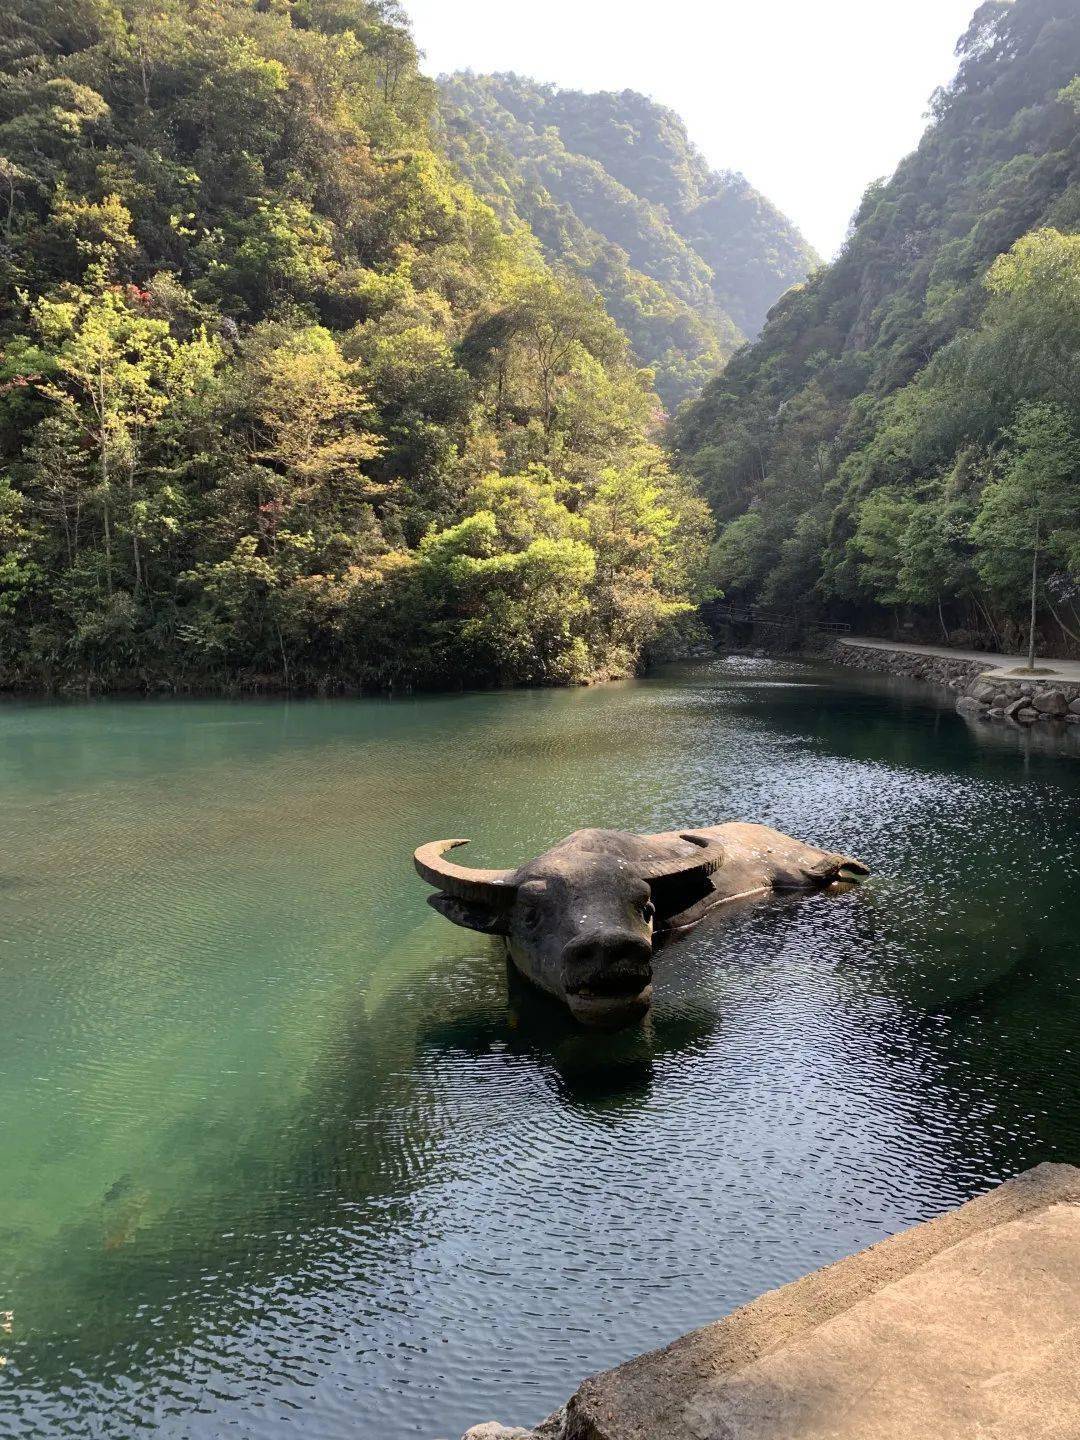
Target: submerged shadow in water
<point x="586" y="1067"/>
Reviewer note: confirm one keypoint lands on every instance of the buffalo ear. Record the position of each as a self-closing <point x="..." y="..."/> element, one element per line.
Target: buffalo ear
<point x="471" y="915"/>
<point x="675" y="897"/>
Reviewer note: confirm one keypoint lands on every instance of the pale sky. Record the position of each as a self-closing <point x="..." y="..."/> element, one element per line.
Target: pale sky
<point x="810" y="99"/>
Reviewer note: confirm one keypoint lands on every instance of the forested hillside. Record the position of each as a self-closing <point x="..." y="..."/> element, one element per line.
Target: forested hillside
<point x="687" y="260"/>
<point x="281" y="401"/>
<point x="908" y="426"/>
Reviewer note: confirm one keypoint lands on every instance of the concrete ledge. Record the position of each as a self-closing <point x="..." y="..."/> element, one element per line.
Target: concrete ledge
<point x="648" y="1399"/>
<point x="965" y="1326"/>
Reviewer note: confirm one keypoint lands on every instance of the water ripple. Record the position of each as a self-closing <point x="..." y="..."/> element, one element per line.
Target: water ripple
<point x="285" y="1155"/>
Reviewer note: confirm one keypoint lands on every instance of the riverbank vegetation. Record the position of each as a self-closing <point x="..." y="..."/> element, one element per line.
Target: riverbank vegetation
<point x="282" y="402"/>
<point x="907" y="430"/>
<point x="314" y="374"/>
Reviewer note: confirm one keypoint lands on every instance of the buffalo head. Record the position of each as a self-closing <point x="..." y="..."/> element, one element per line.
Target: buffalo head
<point x="580" y="920"/>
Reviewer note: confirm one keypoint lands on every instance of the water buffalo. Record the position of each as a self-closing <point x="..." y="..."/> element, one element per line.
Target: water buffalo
<point x="583" y="920"/>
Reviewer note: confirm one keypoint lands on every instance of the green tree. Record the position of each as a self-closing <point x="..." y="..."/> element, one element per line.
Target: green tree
<point x="1032" y="508"/>
<point x="848" y="450"/>
<point x="282" y="401"/>
<point x="109" y="359"/>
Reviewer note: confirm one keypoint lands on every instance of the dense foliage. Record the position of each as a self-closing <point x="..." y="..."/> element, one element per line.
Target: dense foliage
<point x="907" y="429"/>
<point x="687" y="260"/>
<point x="281" y="401"/>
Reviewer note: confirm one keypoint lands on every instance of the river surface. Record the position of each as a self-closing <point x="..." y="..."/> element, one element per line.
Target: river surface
<point x="282" y="1154"/>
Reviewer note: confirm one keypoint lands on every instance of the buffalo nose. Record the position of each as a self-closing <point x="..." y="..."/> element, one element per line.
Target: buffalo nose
<point x="619" y="957"/>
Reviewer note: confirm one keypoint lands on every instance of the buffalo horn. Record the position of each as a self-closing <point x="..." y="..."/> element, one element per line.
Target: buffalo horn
<point x="487" y="886"/>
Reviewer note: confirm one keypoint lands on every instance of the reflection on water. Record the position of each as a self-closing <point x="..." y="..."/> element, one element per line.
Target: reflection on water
<point x="285" y="1153"/>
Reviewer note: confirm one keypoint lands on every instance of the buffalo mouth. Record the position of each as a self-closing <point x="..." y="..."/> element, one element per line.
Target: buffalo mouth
<point x="612" y="1001"/>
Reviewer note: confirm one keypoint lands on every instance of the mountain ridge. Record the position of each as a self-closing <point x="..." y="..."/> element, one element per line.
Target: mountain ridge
<point x="615" y="190"/>
<point x="878" y="446"/>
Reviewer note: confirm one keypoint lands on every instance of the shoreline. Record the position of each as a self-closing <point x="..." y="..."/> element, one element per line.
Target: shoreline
<point x="877" y="1343"/>
<point x="268" y="687"/>
<point x="988" y="687"/>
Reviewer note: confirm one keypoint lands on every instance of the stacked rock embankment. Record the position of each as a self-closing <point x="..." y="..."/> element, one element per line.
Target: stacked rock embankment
<point x="1024" y="702"/>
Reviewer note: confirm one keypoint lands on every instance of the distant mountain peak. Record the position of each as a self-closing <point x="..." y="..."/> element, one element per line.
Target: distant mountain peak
<point x="688" y="259"/>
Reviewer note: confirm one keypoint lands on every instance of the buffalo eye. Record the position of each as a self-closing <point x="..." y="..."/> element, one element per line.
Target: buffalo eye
<point x="648" y="910"/>
<point x="530" y="917"/>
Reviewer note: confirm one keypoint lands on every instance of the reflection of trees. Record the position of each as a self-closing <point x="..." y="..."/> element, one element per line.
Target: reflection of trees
<point x="1015" y="1040"/>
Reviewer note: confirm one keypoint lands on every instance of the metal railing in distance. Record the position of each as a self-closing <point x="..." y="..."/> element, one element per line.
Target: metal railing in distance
<point x="761" y="615"/>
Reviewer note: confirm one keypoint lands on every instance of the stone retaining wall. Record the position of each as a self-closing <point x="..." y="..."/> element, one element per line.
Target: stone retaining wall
<point x="935" y="669"/>
<point x="1008" y="698"/>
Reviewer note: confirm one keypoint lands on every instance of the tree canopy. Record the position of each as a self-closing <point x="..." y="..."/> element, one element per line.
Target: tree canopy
<point x="282" y="401"/>
<point x="688" y="260"/>
<point x="890" y="438"/>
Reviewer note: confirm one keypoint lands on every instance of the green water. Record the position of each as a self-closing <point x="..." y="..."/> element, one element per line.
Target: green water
<point x="281" y="1153"/>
